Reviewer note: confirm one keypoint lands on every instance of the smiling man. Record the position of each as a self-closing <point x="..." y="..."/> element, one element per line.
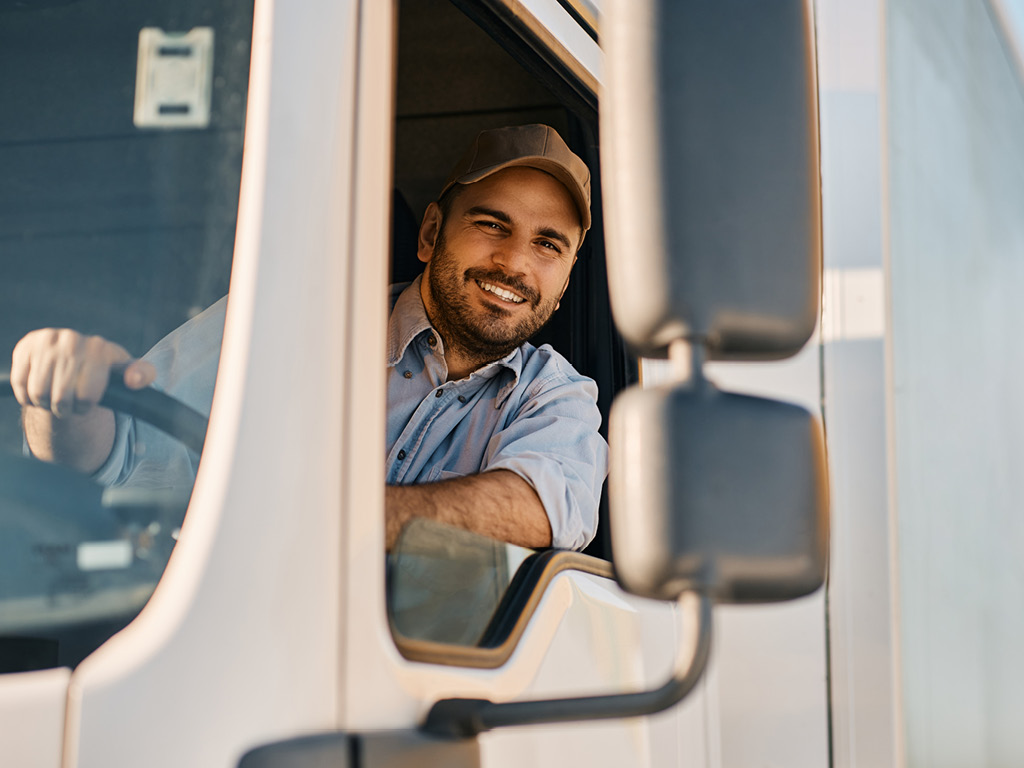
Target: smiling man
<point x="484" y="431"/>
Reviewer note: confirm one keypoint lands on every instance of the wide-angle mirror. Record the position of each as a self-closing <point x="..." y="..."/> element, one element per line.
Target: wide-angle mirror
<point x="722" y="494"/>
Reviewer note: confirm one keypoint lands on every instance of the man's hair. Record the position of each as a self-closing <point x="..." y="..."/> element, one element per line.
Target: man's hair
<point x="447" y="200"/>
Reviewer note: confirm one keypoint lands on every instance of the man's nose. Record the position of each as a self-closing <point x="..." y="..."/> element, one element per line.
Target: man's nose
<point x="512" y="255"/>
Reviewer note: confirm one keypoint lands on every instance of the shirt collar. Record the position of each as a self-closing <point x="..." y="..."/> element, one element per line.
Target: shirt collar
<point x="409" y="319"/>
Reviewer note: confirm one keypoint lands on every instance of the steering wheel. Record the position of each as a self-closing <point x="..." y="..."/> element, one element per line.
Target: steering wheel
<point x="78" y="561"/>
<point x="53" y="485"/>
<point x="46" y="508"/>
<point x="167" y="414"/>
<point x="164" y="412"/>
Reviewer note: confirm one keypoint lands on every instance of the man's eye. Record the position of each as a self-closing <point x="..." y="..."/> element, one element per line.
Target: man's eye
<point x="490" y="225"/>
<point x="550" y="246"/>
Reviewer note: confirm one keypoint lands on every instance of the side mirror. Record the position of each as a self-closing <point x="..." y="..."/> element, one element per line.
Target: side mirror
<point x="711" y="170"/>
<point x="709" y="154"/>
<point x="721" y="494"/>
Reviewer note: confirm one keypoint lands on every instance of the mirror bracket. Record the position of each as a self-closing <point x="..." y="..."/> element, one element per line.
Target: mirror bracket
<point x="466" y="718"/>
<point x="686" y="359"/>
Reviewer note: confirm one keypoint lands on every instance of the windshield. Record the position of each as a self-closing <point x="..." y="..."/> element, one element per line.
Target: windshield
<point x="121" y="143"/>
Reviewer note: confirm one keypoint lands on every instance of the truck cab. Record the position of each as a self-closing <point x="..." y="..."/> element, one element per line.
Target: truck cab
<point x="161" y="157"/>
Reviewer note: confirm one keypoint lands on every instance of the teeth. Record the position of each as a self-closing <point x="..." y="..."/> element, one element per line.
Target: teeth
<point x="501" y="292"/>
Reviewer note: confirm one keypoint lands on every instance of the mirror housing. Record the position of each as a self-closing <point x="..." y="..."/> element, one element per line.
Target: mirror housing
<point x="709" y="129"/>
<point x="719" y="493"/>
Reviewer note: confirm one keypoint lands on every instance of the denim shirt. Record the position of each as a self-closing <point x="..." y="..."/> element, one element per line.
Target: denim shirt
<point x="186" y="362"/>
<point x="530" y="413"/>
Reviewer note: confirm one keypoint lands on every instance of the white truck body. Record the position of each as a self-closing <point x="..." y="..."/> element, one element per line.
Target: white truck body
<point x="271" y="619"/>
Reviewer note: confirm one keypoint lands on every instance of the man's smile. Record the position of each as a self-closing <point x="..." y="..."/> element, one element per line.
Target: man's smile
<point x="501" y="292"/>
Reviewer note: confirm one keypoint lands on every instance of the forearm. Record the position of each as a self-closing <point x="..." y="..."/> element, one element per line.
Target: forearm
<point x="498" y="504"/>
<point x="81" y="441"/>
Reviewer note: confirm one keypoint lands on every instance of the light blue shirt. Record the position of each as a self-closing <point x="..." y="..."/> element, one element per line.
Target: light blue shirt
<point x="186" y="367"/>
<point x="530" y="413"/>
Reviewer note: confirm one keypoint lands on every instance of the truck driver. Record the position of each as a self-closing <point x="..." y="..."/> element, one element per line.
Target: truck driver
<point x="484" y="430"/>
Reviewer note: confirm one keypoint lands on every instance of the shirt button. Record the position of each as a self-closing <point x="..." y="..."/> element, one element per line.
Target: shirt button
<point x="432" y="340"/>
<point x="462" y="398"/>
<point x="408" y="374"/>
<point x="439" y="393"/>
<point x="401" y="455"/>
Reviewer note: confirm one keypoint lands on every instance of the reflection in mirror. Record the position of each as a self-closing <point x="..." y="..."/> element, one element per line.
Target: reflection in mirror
<point x="444" y="584"/>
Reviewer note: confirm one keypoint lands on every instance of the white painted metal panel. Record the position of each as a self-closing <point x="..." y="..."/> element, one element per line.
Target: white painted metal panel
<point x="768" y="680"/>
<point x="598" y="640"/>
<point x="955" y="124"/>
<point x="861" y="633"/>
<point x="32" y="726"/>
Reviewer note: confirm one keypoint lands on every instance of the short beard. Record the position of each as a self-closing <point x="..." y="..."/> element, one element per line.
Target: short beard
<point x="482" y="336"/>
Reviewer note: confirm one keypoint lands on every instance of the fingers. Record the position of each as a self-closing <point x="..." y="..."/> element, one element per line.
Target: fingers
<point x="90" y="380"/>
<point x="66" y="372"/>
<point x="139" y="374"/>
<point x="19" y="372"/>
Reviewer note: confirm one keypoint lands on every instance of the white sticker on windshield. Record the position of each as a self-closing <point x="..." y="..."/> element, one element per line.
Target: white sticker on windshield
<point x="174" y="80"/>
<point x="104" y="555"/>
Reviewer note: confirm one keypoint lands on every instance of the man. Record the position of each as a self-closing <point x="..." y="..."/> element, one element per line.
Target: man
<point x="484" y="431"/>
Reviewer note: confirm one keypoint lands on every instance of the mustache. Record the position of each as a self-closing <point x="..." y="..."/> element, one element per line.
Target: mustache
<point x="498" y="277"/>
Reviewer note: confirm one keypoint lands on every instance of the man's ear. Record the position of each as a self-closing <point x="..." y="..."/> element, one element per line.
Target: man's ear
<point x="429" y="230"/>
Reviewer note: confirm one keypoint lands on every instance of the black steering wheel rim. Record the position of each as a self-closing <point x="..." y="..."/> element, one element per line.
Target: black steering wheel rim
<point x="164" y="412"/>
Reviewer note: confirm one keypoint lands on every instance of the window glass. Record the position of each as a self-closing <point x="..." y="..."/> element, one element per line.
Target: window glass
<point x="121" y="143"/>
<point x="445" y="584"/>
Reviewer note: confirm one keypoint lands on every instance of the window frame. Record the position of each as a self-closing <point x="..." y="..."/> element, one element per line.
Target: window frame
<point x="535" y="48"/>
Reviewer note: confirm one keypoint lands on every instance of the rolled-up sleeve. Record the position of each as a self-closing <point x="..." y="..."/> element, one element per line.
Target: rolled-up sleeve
<point x="553" y="443"/>
<point x="118" y="465"/>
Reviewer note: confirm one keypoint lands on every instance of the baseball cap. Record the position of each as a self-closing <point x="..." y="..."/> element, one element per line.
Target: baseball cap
<point x="533" y="146"/>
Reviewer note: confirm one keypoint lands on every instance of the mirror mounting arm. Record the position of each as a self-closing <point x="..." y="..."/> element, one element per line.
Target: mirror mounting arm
<point x="466" y="718"/>
<point x="686" y="357"/>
